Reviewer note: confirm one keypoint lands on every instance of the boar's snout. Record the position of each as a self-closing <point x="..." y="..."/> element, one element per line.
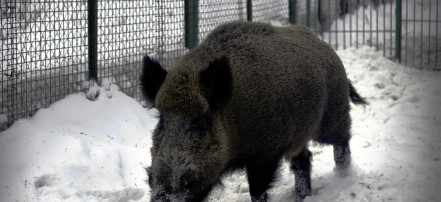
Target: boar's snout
<point x="175" y="185"/>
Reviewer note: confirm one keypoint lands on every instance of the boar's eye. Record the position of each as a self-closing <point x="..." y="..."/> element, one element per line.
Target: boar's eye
<point x="189" y="181"/>
<point x="199" y="123"/>
<point x="196" y="124"/>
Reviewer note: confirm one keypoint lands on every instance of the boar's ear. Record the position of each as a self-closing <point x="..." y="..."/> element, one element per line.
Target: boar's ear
<point x="216" y="82"/>
<point x="152" y="77"/>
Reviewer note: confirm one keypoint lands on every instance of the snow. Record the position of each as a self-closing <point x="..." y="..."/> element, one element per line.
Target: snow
<point x="78" y="150"/>
<point x="82" y="150"/>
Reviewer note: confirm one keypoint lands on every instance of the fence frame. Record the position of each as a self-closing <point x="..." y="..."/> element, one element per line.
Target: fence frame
<point x="398" y="28"/>
<point x="249" y="10"/>
<point x="92" y="19"/>
<point x="293" y="11"/>
<point x="191" y="23"/>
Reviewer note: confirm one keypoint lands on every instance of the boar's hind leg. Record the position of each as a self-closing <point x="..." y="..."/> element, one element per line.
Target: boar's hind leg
<point x="342" y="154"/>
<point x="339" y="137"/>
<point x="301" y="166"/>
<point x="342" y="151"/>
<point x="260" y="177"/>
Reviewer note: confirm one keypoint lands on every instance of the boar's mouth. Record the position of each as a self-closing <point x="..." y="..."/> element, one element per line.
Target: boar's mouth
<point x="185" y="196"/>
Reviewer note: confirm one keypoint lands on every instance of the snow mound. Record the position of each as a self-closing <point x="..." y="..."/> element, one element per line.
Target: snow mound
<point x="78" y="150"/>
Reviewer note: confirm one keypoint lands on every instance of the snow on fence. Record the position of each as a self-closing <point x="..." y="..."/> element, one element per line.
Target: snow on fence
<point x="48" y="47"/>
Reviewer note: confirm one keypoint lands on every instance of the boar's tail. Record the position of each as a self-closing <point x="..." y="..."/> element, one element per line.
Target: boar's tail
<point x="355" y="97"/>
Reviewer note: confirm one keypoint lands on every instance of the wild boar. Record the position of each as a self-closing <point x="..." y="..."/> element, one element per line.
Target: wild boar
<point x="247" y="96"/>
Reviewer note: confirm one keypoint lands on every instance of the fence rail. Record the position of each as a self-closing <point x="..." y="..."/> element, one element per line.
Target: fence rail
<point x="53" y="48"/>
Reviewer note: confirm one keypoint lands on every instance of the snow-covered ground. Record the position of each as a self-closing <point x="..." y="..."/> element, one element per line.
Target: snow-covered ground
<point x="82" y="150"/>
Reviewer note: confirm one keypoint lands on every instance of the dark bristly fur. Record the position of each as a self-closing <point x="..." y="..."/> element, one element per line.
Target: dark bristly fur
<point x="247" y="96"/>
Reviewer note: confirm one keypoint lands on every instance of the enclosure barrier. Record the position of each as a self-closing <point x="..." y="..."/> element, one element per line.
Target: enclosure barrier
<point x="249" y="10"/>
<point x="191" y="23"/>
<point x="92" y="19"/>
<point x="50" y="49"/>
<point x="398" y="31"/>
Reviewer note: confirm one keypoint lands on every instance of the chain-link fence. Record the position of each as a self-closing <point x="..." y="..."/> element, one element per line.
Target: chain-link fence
<point x="52" y="48"/>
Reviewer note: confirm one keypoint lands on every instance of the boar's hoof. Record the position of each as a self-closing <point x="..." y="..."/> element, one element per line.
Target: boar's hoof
<point x="342" y="156"/>
<point x="262" y="198"/>
<point x="302" y="193"/>
<point x="299" y="198"/>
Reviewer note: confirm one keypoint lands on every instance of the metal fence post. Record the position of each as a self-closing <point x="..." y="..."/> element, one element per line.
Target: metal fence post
<point x="308" y="13"/>
<point x="92" y="20"/>
<point x="292" y="11"/>
<point x="398" y="31"/>
<point x="249" y="10"/>
<point x="191" y="23"/>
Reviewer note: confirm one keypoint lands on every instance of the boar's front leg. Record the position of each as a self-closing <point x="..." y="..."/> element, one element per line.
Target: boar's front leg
<point x="260" y="176"/>
<point x="301" y="166"/>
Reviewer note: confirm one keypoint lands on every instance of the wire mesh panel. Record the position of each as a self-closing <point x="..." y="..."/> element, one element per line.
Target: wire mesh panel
<point x="215" y="12"/>
<point x="171" y="32"/>
<point x="43" y="54"/>
<point x="267" y="10"/>
<point x="421" y="34"/>
<point x="126" y="32"/>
